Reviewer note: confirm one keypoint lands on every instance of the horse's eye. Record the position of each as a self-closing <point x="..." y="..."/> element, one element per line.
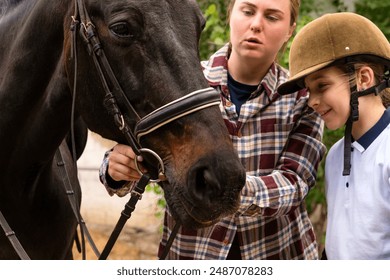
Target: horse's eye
<point x="121" y="29"/>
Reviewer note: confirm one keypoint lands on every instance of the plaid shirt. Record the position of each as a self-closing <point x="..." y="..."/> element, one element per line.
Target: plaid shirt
<point x="278" y="139"/>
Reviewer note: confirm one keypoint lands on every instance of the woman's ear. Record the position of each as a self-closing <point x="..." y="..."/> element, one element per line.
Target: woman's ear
<point x="291" y="31"/>
<point x="365" y="78"/>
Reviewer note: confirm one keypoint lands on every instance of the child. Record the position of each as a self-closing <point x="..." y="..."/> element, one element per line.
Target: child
<point x="343" y="59"/>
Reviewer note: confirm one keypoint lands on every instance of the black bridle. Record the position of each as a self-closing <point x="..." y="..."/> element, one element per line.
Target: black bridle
<point x="183" y="106"/>
<point x="176" y="109"/>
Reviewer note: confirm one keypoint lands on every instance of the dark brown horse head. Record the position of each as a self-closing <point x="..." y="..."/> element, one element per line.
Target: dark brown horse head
<point x="152" y="48"/>
<point x="145" y="76"/>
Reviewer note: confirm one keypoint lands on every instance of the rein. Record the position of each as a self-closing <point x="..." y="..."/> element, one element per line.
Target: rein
<point x="13" y="239"/>
<point x="63" y="169"/>
<point x="188" y="104"/>
<point x="64" y="172"/>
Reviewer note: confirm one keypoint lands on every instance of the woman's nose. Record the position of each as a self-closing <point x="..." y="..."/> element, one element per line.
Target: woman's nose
<point x="255" y="29"/>
<point x="257" y="24"/>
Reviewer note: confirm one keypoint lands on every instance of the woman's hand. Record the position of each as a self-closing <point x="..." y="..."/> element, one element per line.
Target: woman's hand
<point x="121" y="165"/>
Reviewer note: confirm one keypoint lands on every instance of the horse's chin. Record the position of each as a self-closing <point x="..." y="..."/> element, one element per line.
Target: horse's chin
<point x="192" y="216"/>
<point x="188" y="219"/>
<point x="191" y="219"/>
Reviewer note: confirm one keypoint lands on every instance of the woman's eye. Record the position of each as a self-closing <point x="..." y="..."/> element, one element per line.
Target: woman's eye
<point x="272" y="18"/>
<point x="121" y="29"/>
<point x="248" y="12"/>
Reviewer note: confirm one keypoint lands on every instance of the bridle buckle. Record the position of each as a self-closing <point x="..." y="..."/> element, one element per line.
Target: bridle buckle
<point x="161" y="174"/>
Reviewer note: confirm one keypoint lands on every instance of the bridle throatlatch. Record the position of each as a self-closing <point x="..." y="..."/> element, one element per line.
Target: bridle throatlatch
<point x="354" y="115"/>
<point x="116" y="102"/>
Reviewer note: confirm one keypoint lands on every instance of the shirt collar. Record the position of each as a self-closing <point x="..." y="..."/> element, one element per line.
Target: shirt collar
<point x="366" y="140"/>
<point x="215" y="71"/>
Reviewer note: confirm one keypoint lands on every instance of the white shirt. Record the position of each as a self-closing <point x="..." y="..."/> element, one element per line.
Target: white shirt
<point x="358" y="225"/>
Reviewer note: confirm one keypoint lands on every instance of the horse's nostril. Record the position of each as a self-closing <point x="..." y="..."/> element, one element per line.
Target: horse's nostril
<point x="206" y="187"/>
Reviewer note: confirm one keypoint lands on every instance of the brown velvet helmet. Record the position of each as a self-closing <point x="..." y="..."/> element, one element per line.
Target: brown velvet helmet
<point x="333" y="38"/>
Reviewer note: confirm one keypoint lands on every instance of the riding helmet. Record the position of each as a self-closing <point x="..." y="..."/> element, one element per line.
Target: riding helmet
<point x="333" y="38"/>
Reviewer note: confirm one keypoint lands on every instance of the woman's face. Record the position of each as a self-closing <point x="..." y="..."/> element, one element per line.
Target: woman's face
<point x="330" y="96"/>
<point x="259" y="28"/>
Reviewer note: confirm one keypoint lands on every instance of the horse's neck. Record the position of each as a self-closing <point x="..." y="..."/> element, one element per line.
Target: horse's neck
<point x="34" y="94"/>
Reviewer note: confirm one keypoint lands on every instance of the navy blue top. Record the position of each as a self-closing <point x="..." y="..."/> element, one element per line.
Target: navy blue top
<point x="239" y="93"/>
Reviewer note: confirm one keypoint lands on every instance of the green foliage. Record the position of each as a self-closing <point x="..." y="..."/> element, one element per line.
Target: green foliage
<point x="161" y="203"/>
<point x="307" y="7"/>
<point x="303" y="20"/>
<point x="377" y="11"/>
<point x="215" y="33"/>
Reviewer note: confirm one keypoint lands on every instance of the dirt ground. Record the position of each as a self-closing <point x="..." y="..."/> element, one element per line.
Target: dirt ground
<point x="132" y="244"/>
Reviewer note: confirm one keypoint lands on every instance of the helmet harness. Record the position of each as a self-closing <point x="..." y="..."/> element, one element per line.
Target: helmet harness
<point x="354" y="113"/>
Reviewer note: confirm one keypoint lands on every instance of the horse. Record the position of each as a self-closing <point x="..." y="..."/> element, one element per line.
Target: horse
<point x="113" y="67"/>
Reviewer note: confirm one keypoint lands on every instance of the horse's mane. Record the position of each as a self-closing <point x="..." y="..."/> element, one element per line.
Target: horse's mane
<point x="6" y="5"/>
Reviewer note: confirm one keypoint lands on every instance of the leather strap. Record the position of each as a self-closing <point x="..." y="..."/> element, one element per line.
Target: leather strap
<point x="13" y="239"/>
<point x="354" y="116"/>
<point x="347" y="148"/>
<point x="188" y="104"/>
<point x="75" y="207"/>
<point x="167" y="247"/>
<point x="136" y="194"/>
<point x="63" y="169"/>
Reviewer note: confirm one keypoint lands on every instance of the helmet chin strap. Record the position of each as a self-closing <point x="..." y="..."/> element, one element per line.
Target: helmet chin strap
<point x="354" y="116"/>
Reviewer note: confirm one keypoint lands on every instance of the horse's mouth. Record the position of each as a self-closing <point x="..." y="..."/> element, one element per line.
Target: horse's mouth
<point x="204" y="223"/>
<point x="194" y="215"/>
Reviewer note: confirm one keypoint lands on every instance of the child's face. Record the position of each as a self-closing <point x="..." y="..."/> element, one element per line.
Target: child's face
<point x="330" y="96"/>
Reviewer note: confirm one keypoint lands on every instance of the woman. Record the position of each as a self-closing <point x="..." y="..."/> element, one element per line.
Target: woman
<point x="347" y="81"/>
<point x="277" y="138"/>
